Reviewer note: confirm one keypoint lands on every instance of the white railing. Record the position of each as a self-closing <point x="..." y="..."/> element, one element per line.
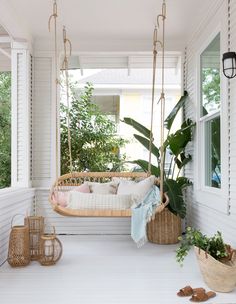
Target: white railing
<point x="13" y="201"/>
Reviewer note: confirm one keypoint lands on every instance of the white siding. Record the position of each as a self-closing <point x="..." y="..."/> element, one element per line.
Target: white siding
<point x="12" y="202"/>
<point x="232" y="116"/>
<point x="73" y="225"/>
<point x="199" y="215"/>
<point x="42" y="117"/>
<point x="20" y="117"/>
<point x="20" y="110"/>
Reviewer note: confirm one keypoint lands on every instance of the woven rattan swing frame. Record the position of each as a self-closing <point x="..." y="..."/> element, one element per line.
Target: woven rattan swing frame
<point x="77" y="178"/>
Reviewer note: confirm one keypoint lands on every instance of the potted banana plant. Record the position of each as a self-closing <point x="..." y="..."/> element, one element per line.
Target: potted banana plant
<point x="175" y="145"/>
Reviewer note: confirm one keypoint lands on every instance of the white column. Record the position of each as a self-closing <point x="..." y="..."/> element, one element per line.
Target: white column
<point x="44" y="121"/>
<point x="21" y="100"/>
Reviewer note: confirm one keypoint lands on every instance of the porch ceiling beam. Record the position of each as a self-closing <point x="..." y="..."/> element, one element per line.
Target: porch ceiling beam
<point x="5" y="39"/>
<point x="5" y="53"/>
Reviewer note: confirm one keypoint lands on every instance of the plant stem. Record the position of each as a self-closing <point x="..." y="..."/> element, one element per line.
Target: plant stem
<point x="171" y="162"/>
<point x="178" y="173"/>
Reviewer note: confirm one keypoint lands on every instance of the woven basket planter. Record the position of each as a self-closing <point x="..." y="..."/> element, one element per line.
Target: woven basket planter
<point x="36" y="229"/>
<point x="217" y="275"/>
<point x="19" y="246"/>
<point x="165" y="228"/>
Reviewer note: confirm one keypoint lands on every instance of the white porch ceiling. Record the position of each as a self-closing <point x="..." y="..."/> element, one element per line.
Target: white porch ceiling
<point x="102" y="22"/>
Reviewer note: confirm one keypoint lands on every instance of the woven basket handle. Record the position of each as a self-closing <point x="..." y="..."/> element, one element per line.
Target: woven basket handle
<point x="162" y="206"/>
<point x="53" y="229"/>
<point x="18" y="214"/>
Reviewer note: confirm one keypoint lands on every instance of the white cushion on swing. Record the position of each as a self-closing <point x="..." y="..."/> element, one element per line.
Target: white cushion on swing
<point x="137" y="189"/>
<point x="103" y="188"/>
<point x="77" y="200"/>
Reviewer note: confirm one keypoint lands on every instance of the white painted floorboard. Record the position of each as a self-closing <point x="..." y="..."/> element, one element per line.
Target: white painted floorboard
<point x="104" y="270"/>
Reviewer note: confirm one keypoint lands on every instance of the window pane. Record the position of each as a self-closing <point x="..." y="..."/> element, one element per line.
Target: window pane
<point x="210" y="77"/>
<point x="212" y="153"/>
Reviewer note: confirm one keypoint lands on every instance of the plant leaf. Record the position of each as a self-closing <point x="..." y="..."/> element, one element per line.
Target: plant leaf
<point x="176" y="197"/>
<point x="184" y="159"/>
<point x="144" y="165"/>
<point x="145" y="142"/>
<point x="179" y="140"/>
<point x="137" y="126"/>
<point x="171" y="117"/>
<point x="183" y="182"/>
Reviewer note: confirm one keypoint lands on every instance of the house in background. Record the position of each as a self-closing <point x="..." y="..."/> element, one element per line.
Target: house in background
<point x="122" y="93"/>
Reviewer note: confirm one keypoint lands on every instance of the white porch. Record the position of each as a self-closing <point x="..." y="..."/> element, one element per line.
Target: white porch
<point x="105" y="270"/>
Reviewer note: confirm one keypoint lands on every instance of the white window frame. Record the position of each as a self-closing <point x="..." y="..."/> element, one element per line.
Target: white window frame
<point x="211" y="197"/>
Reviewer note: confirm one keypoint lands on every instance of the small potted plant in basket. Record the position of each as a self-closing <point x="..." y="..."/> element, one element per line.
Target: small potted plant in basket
<point x="217" y="260"/>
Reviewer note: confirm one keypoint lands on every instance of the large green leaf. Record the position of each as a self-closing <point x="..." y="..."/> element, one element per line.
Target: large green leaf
<point x="137" y="126"/>
<point x="183" y="182"/>
<point x="184" y="159"/>
<point x="171" y="117"/>
<point x="179" y="140"/>
<point x="145" y="142"/>
<point x="174" y="192"/>
<point x="144" y="165"/>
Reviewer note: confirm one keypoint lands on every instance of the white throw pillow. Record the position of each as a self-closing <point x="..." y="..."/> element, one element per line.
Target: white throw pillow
<point x="78" y="200"/>
<point x="137" y="189"/>
<point x="103" y="188"/>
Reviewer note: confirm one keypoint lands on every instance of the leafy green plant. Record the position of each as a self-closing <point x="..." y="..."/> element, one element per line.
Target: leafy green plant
<point x="94" y="140"/>
<point x="174" y="144"/>
<point x="214" y="245"/>
<point x="5" y="129"/>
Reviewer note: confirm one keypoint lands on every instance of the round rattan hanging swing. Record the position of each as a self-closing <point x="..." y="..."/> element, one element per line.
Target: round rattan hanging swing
<point x="64" y="182"/>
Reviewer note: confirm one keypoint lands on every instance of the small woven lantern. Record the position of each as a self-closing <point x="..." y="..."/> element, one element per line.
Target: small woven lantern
<point x="50" y="249"/>
<point x="19" y="247"/>
<point x="36" y="229"/>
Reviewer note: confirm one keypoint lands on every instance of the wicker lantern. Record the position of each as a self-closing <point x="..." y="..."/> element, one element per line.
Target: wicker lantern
<point x="19" y="247"/>
<point x="50" y="249"/>
<point x="36" y="229"/>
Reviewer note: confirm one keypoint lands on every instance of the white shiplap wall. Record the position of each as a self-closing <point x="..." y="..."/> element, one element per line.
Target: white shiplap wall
<point x="199" y="215"/>
<point x="232" y="115"/>
<point x="20" y="109"/>
<point x="20" y="116"/>
<point x="41" y="118"/>
<point x="12" y="202"/>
